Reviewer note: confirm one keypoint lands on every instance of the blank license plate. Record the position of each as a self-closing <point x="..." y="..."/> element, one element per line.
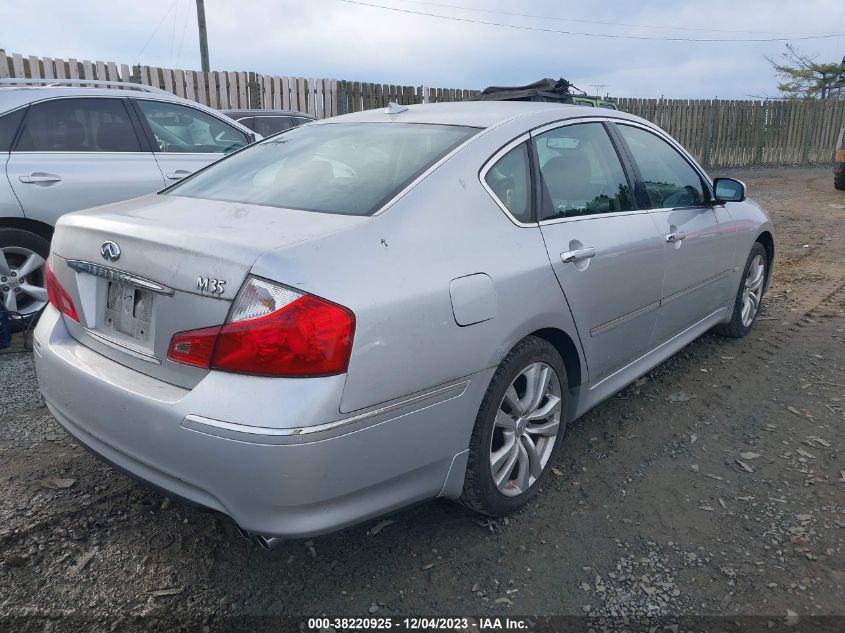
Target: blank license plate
<point x="129" y="310"/>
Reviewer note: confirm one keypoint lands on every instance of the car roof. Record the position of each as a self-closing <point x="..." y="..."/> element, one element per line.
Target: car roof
<point x="12" y="97"/>
<point x="482" y="114"/>
<point x="256" y="112"/>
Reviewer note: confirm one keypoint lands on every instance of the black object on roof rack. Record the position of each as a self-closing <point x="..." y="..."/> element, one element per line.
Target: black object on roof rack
<point x="547" y="90"/>
<point x="557" y="91"/>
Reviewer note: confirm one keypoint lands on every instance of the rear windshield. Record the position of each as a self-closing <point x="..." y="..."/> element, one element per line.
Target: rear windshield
<point x="346" y="168"/>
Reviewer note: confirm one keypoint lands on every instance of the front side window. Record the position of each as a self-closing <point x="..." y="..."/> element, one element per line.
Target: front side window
<point x="346" y="168"/>
<point x="669" y="180"/>
<point x="78" y="125"/>
<point x="580" y="172"/>
<point x="181" y="129"/>
<point x="510" y="181"/>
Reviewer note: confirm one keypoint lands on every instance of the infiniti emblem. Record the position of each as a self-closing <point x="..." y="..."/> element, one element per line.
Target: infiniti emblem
<point x="110" y="251"/>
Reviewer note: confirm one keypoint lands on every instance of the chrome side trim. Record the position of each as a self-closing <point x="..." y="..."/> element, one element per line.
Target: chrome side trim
<point x="696" y="286"/>
<point x="126" y="348"/>
<point x="113" y="274"/>
<point x="609" y="325"/>
<point x="459" y="388"/>
<point x="545" y="127"/>
<point x="595" y="216"/>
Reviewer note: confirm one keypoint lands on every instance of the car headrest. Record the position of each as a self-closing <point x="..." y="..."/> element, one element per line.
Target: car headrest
<point x="69" y="136"/>
<point x="116" y="137"/>
<point x="567" y="176"/>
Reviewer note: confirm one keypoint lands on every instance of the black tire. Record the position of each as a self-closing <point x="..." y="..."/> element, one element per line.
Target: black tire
<point x="480" y="492"/>
<point x="33" y="242"/>
<point x="735" y="327"/>
<point x="839" y="177"/>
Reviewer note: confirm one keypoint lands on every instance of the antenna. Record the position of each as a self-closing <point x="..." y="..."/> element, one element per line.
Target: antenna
<point x="395" y="108"/>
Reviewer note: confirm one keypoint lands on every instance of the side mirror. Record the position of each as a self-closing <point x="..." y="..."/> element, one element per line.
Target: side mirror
<point x="729" y="190"/>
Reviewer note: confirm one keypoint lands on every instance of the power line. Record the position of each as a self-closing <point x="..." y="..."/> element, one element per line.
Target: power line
<point x="585" y="34"/>
<point x="184" y="29"/>
<point x="155" y="30"/>
<point x="628" y="24"/>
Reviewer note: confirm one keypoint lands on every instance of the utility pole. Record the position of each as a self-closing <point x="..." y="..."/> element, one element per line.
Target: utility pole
<point x="203" y="35"/>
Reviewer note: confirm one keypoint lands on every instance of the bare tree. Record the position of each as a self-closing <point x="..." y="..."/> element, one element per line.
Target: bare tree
<point x="802" y="76"/>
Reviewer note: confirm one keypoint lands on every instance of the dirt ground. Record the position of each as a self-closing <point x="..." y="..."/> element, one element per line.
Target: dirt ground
<point x="714" y="485"/>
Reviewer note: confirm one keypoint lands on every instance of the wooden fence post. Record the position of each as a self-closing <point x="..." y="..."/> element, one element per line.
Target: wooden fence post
<point x="254" y="90"/>
<point x="760" y="119"/>
<point x="708" y="135"/>
<point x="809" y="126"/>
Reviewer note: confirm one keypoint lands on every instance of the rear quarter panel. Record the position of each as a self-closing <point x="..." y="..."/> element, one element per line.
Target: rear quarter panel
<point x="395" y="273"/>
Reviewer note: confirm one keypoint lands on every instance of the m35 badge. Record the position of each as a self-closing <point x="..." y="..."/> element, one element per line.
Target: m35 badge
<point x="211" y="286"/>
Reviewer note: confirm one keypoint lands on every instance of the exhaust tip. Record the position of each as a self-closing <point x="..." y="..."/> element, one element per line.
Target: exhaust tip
<point x="268" y="542"/>
<point x="264" y="542"/>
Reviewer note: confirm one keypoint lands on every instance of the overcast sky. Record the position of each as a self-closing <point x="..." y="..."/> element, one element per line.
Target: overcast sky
<point x="335" y="39"/>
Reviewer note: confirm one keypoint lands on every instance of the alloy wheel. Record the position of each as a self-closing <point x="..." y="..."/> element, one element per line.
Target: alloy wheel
<point x="526" y="427"/>
<point x="752" y="291"/>
<point x="22" y="280"/>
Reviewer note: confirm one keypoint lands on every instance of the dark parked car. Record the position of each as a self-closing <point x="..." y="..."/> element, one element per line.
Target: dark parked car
<point x="267" y="122"/>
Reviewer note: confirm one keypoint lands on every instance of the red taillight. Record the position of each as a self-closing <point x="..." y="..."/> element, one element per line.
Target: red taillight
<point x="272" y="331"/>
<point x="194" y="347"/>
<point x="58" y="296"/>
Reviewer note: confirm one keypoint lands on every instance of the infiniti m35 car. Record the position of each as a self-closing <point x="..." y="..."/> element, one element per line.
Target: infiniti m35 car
<point x="389" y="306"/>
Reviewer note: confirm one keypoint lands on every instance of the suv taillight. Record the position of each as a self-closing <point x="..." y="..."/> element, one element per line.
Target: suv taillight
<point x="58" y="296"/>
<point x="272" y="331"/>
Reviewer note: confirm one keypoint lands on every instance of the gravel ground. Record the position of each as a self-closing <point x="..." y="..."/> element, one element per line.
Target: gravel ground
<point x="713" y="486"/>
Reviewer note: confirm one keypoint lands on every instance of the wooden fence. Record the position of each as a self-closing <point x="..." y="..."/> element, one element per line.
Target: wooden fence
<point x="234" y="90"/>
<point x="719" y="133"/>
<point x="725" y="133"/>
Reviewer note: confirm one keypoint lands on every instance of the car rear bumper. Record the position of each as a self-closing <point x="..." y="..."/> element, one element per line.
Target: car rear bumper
<point x="270" y="480"/>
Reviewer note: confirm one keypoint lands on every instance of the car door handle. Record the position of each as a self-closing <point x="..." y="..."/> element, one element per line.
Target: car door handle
<point x="178" y="174"/>
<point x="577" y="255"/>
<point x="675" y="237"/>
<point x="40" y="177"/>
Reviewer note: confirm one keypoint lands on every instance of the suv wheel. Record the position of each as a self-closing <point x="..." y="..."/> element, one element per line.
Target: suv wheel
<point x="23" y="274"/>
<point x="839" y="177"/>
<point x="518" y="429"/>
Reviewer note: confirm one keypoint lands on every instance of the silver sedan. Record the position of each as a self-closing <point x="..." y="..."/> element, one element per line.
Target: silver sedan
<point x="389" y="306"/>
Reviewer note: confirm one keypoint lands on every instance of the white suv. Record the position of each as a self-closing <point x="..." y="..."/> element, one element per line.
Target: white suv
<point x="74" y="145"/>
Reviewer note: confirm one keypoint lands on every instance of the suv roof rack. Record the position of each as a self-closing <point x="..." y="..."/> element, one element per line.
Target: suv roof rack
<point x="79" y="83"/>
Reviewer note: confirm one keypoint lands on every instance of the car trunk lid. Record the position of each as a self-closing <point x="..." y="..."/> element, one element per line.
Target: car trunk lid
<point x="142" y="270"/>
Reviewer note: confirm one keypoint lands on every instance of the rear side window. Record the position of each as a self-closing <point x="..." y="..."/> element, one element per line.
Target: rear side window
<point x="510" y="181"/>
<point x="346" y="168"/>
<point x="267" y="125"/>
<point x="181" y="129"/>
<point x="9" y="124"/>
<point x="246" y="122"/>
<point x="78" y="125"/>
<point x="669" y="180"/>
<point x="580" y="172"/>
